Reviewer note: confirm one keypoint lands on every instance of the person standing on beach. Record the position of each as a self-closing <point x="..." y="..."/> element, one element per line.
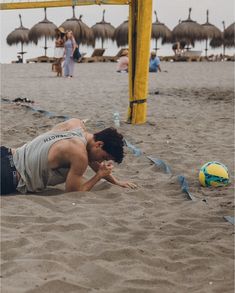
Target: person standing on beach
<point x="178" y="48"/>
<point x="69" y="47"/>
<point x="154" y="63"/>
<point x="59" y="50"/>
<point x="62" y="155"/>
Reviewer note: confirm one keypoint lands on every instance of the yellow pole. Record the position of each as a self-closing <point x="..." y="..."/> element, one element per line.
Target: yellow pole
<point x="140" y="25"/>
<point x="59" y="3"/>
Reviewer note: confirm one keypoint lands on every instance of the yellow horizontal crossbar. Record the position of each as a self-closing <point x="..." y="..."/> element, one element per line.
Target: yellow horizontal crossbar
<point x="58" y="3"/>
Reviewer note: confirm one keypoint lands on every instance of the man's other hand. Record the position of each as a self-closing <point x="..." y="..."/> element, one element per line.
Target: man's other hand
<point x="105" y="169"/>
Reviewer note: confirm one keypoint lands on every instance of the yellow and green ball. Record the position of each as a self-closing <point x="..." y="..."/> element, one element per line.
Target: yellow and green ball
<point x="213" y="174"/>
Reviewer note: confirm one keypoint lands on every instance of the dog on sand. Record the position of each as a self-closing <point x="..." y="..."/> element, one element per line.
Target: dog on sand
<point x="56" y="67"/>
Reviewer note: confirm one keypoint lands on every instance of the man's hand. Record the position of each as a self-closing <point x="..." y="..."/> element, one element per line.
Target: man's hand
<point x="105" y="169"/>
<point x="126" y="184"/>
<point x="108" y="167"/>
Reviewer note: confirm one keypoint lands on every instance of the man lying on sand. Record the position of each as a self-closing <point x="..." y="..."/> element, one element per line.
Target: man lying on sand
<point x="62" y="155"/>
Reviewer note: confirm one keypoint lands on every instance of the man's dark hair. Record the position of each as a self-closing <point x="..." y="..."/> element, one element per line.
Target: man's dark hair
<point x="113" y="143"/>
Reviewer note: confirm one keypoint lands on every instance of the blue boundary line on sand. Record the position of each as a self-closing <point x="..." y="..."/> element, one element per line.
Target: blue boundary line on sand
<point x="160" y="163"/>
<point x="229" y="219"/>
<point x="35" y="109"/>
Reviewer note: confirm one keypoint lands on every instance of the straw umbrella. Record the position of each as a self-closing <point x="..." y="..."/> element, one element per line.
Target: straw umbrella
<point x="160" y="31"/>
<point x="83" y="34"/>
<point x="210" y="31"/>
<point x="87" y="35"/>
<point x="215" y="43"/>
<point x="103" y="30"/>
<point x="188" y="30"/>
<point x="19" y="35"/>
<point x="121" y="34"/>
<point x="44" y="28"/>
<point x="229" y="40"/>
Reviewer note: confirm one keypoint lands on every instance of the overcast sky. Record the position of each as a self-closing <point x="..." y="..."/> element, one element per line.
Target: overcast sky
<point x="168" y="11"/>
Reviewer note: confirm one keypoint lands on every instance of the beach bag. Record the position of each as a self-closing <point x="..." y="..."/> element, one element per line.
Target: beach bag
<point x="76" y="54"/>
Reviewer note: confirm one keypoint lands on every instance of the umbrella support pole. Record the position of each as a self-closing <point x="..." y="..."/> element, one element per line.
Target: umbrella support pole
<point x="206" y="49"/>
<point x="156" y="48"/>
<point x="45" y="48"/>
<point x="22" y="54"/>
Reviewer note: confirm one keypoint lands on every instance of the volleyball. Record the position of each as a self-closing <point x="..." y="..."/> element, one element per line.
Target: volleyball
<point x="213" y="174"/>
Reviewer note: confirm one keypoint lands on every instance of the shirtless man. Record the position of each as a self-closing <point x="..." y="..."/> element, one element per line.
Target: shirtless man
<point x="62" y="155"/>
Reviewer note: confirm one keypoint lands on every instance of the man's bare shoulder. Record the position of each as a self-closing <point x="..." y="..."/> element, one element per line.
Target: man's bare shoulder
<point x="68" y="152"/>
<point x="69" y="125"/>
<point x="77" y="155"/>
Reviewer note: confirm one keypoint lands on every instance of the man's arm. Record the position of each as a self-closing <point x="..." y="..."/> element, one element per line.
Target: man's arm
<point x="158" y="62"/>
<point x="75" y="180"/>
<point x="110" y="178"/>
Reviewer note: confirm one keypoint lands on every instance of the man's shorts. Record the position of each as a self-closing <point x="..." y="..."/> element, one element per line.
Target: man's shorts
<point x="8" y="172"/>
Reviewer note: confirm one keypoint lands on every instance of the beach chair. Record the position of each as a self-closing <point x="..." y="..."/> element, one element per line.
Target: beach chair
<point x="192" y="55"/>
<point x="41" y="59"/>
<point x="114" y="58"/>
<point x="96" y="56"/>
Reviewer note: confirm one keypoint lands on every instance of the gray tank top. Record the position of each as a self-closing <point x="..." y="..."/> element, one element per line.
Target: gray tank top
<point x="31" y="161"/>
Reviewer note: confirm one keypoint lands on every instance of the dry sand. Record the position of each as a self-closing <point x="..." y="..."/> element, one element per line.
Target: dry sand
<point x="117" y="240"/>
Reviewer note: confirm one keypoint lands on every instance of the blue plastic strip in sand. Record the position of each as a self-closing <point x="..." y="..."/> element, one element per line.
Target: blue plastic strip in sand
<point x="37" y="110"/>
<point x="46" y="113"/>
<point x="137" y="152"/>
<point x="229" y="219"/>
<point x="185" y="187"/>
<point x="161" y="164"/>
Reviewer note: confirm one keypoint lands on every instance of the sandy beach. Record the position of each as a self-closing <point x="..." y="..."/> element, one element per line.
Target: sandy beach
<point x="113" y="240"/>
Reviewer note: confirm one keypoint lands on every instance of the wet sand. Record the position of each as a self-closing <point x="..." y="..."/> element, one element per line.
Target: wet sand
<point x="152" y="239"/>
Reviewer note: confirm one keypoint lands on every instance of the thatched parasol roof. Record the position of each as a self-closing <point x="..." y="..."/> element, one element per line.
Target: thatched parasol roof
<point x="83" y="34"/>
<point x="44" y="28"/>
<point x="211" y="32"/>
<point x="121" y="34"/>
<point x="161" y="31"/>
<point x="215" y="43"/>
<point x="227" y="39"/>
<point x="19" y="35"/>
<point x="188" y="30"/>
<point x="103" y="30"/>
<point x="229" y="35"/>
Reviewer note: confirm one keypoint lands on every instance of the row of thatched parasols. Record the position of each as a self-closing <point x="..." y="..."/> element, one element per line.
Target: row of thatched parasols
<point x="190" y="31"/>
<point x="187" y="30"/>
